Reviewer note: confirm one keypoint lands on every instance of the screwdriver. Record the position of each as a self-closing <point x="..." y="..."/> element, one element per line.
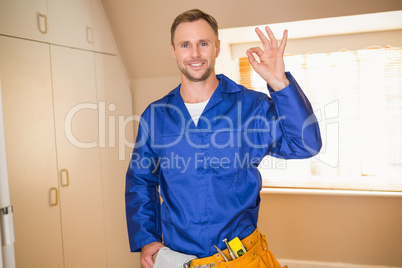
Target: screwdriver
<point x="220" y="252"/>
<point x="231" y="253"/>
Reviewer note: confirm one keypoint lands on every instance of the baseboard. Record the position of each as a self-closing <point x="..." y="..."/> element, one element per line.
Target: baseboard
<point x="316" y="264"/>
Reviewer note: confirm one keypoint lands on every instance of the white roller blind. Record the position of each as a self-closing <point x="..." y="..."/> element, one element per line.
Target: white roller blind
<point x="357" y="98"/>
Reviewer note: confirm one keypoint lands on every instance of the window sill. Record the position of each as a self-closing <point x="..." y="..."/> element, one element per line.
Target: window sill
<point x="269" y="190"/>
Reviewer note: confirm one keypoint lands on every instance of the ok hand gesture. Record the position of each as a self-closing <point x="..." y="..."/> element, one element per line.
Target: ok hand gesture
<point x="271" y="66"/>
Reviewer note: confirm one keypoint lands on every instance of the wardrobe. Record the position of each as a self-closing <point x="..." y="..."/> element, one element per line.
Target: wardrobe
<point x="68" y="130"/>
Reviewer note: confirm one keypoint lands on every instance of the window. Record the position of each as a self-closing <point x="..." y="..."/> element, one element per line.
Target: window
<point x="356" y="94"/>
<point x="357" y="98"/>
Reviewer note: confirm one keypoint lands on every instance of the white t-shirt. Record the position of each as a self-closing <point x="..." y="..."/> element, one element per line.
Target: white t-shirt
<point x="195" y="110"/>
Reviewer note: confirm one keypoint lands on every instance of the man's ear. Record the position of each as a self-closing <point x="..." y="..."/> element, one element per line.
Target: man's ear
<point x="218" y="48"/>
<point x="173" y="51"/>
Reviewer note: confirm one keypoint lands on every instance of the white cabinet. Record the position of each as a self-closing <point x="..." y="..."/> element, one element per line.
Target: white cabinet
<point x="66" y="106"/>
<point x="117" y="131"/>
<point x="24" y="18"/>
<point x="70" y="23"/>
<point x="56" y="193"/>
<point x="25" y="77"/>
<point x="73" y="23"/>
<point x="67" y="126"/>
<point x="78" y="157"/>
<point x="101" y="30"/>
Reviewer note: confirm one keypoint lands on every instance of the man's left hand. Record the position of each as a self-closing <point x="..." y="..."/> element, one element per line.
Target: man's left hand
<point x="271" y="66"/>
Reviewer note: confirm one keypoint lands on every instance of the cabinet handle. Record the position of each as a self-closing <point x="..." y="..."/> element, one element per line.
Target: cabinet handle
<point x="90" y="35"/>
<point x="44" y="18"/>
<point x="56" y="197"/>
<point x="64" y="180"/>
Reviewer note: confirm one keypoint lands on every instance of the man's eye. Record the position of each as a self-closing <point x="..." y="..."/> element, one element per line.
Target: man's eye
<point x="184" y="45"/>
<point x="204" y="44"/>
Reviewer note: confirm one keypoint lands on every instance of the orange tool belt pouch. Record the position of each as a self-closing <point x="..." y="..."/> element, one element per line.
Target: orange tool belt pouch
<point x="257" y="255"/>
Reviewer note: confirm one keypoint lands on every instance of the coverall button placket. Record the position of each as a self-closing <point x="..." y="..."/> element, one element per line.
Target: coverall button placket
<point x="202" y="185"/>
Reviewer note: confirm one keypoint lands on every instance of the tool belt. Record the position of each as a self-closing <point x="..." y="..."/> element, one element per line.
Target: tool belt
<point x="257" y="255"/>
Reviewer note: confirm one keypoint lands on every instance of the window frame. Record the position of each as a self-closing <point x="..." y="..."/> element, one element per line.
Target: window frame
<point x="367" y="23"/>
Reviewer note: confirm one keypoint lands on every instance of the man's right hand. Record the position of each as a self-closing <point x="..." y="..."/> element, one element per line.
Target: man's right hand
<point x="148" y="252"/>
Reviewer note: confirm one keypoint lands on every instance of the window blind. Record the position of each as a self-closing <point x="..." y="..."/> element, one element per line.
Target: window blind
<point x="357" y="98"/>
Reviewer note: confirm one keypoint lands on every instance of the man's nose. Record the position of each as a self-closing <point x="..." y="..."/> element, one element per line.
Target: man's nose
<point x="195" y="52"/>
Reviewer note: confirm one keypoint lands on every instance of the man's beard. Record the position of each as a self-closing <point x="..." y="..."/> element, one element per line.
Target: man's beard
<point x="187" y="74"/>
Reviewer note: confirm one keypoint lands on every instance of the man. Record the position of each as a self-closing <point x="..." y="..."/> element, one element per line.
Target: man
<point x="200" y="145"/>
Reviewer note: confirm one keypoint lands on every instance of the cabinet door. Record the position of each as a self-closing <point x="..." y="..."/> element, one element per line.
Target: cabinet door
<point x="116" y="140"/>
<point x="24" y="18"/>
<point x="104" y="41"/>
<point x="70" y="23"/>
<point x="78" y="155"/>
<point x="31" y="152"/>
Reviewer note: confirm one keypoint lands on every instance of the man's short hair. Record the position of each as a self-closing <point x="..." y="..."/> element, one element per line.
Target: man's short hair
<point x="190" y="16"/>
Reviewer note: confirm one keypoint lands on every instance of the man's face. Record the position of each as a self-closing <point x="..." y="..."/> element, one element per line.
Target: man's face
<point x="195" y="49"/>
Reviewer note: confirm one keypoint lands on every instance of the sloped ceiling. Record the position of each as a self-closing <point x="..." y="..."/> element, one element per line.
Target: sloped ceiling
<point x="142" y="27"/>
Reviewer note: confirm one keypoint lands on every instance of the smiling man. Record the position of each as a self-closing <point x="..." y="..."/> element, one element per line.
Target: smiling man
<point x="195" y="57"/>
<point x="222" y="131"/>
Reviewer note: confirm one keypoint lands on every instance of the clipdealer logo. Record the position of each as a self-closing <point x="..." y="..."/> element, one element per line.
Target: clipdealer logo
<point x="328" y="120"/>
<point x="112" y="130"/>
<point x="198" y="160"/>
<point x="107" y="126"/>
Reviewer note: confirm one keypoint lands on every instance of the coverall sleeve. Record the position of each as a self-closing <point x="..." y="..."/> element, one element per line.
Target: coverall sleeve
<point x="142" y="195"/>
<point x="295" y="133"/>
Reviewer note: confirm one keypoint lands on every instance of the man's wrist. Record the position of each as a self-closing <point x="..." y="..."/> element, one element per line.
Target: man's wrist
<point x="152" y="244"/>
<point x="279" y="85"/>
